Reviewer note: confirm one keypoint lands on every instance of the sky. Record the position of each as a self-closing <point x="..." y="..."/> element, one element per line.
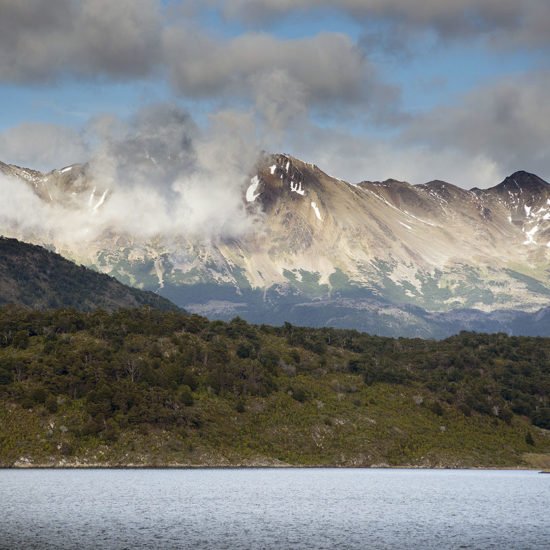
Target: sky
<point x="414" y="90"/>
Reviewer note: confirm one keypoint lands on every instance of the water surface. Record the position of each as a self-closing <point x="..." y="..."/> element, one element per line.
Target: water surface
<point x="277" y="508"/>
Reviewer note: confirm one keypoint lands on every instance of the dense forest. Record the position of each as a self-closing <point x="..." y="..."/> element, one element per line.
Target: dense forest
<point x="142" y="386"/>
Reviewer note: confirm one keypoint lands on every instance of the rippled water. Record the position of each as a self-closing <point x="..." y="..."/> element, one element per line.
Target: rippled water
<point x="313" y="508"/>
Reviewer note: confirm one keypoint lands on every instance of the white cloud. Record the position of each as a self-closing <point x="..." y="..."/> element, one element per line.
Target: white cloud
<point x="163" y="176"/>
<point x="506" y="121"/>
<point x="358" y="158"/>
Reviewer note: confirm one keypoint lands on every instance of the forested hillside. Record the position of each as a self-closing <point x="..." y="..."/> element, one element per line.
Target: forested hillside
<point x="37" y="278"/>
<point x="144" y="387"/>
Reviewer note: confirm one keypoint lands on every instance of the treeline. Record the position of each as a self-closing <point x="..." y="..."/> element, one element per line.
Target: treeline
<point x="143" y="366"/>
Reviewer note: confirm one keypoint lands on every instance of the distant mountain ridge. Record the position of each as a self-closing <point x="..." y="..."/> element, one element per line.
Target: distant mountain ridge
<point x="386" y="257"/>
<point x="34" y="277"/>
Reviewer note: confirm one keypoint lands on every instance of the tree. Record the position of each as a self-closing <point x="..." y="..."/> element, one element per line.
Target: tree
<point x="185" y="396"/>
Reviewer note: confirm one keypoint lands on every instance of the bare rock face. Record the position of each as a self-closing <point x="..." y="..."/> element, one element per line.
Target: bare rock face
<point x="388" y="257"/>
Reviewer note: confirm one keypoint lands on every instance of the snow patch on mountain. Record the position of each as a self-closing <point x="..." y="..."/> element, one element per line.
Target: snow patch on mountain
<point x="530" y="235"/>
<point x="101" y="200"/>
<point x="296" y="187"/>
<point x="159" y="272"/>
<point x="251" y="194"/>
<point x="316" y="210"/>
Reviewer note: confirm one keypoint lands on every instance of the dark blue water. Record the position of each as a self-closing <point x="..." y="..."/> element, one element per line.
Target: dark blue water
<point x="317" y="508"/>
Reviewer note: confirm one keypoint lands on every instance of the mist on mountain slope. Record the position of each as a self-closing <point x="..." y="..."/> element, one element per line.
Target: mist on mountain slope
<point x="156" y="174"/>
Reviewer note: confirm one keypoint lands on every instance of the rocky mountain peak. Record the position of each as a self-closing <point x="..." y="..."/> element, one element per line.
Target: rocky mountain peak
<point x="285" y="180"/>
<point x="522" y="182"/>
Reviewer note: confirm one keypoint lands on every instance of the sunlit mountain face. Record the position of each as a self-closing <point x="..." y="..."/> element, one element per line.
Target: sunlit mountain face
<point x="387" y="257"/>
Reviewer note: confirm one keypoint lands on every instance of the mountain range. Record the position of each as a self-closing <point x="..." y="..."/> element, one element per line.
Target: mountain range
<point x="387" y="257"/>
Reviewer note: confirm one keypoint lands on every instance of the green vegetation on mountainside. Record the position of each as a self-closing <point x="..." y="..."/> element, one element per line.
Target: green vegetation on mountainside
<point x="164" y="388"/>
<point x="34" y="277"/>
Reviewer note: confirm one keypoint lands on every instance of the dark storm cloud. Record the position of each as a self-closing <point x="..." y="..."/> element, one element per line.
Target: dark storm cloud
<point x="321" y="71"/>
<point x="328" y="65"/>
<point x="43" y="40"/>
<point x="507" y="22"/>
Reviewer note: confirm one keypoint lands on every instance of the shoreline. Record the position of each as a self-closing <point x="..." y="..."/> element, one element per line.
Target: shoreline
<point x="267" y="467"/>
